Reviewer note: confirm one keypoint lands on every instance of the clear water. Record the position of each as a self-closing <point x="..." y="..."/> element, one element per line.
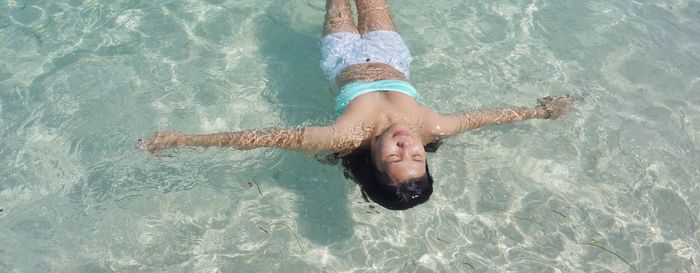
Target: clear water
<point x="81" y="80"/>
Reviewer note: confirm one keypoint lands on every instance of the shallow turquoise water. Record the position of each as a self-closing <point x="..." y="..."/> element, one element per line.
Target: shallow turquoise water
<point x="80" y="81"/>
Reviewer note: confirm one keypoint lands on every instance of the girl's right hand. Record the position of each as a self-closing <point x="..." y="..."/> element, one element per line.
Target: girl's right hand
<point x="160" y="140"/>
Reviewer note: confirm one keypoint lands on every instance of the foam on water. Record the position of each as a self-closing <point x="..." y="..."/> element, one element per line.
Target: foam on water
<point x="80" y="81"/>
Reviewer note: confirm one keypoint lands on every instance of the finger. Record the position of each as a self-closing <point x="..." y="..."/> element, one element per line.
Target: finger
<point x="140" y="146"/>
<point x="144" y="147"/>
<point x="165" y="133"/>
<point x="541" y="101"/>
<point x="153" y="149"/>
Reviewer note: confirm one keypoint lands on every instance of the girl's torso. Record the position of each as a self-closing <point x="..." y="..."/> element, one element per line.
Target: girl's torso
<point x="368" y="72"/>
<point x="378" y="110"/>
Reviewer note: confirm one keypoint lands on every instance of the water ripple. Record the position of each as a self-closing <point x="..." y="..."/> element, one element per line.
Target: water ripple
<point x="80" y="81"/>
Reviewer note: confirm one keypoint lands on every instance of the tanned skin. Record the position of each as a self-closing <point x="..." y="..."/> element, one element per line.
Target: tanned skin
<point x="391" y="123"/>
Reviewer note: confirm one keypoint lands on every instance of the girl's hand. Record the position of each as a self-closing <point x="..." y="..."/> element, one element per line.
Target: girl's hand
<point x="557" y="106"/>
<point x="161" y="140"/>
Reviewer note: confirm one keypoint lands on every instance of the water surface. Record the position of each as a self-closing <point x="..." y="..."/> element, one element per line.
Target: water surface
<point x="80" y="81"/>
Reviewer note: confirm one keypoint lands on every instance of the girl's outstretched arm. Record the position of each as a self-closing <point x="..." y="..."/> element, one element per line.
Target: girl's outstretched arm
<point x="547" y="108"/>
<point x="315" y="138"/>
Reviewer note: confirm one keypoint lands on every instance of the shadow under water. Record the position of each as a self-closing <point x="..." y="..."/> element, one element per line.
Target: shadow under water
<point x="296" y="85"/>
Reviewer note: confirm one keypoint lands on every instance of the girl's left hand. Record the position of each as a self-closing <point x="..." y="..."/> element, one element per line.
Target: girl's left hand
<point x="556" y="106"/>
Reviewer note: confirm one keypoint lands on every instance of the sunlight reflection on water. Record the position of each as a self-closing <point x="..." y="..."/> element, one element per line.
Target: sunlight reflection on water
<point x="80" y="81"/>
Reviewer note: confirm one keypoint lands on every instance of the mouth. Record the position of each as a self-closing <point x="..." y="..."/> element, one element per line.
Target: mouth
<point x="401" y="133"/>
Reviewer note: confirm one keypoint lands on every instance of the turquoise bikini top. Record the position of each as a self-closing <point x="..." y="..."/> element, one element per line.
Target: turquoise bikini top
<point x="353" y="90"/>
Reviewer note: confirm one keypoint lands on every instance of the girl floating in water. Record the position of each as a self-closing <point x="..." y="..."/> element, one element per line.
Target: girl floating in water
<point x="382" y="132"/>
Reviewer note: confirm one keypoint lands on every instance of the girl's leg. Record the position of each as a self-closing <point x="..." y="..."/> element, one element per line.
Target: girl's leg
<point x="373" y="15"/>
<point x="338" y="17"/>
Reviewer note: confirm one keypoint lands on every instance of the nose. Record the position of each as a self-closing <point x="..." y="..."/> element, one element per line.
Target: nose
<point x="403" y="141"/>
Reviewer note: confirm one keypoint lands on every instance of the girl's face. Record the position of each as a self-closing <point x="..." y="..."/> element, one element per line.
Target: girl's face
<point x="399" y="153"/>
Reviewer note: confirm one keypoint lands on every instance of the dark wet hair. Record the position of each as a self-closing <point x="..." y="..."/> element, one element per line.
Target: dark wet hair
<point x="377" y="185"/>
